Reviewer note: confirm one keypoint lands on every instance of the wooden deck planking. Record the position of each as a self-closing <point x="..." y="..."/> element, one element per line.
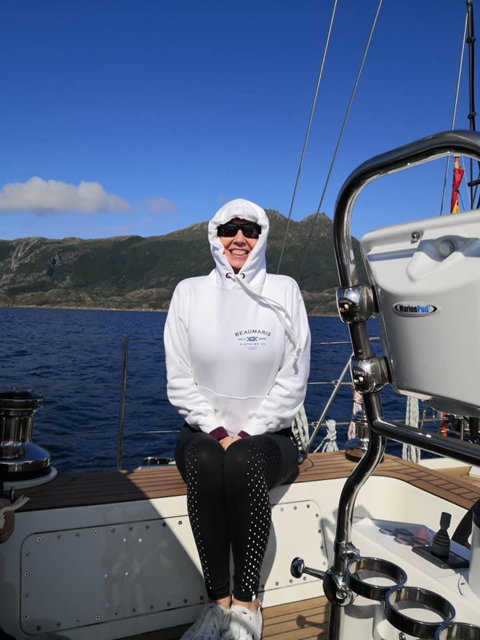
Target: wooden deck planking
<point x="109" y="487"/>
<point x="296" y="621"/>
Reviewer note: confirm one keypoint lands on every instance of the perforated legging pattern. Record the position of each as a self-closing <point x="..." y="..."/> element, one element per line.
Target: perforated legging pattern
<point x="229" y="506"/>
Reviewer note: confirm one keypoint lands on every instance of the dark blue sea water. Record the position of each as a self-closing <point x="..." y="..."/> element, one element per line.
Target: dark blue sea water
<point x="73" y="358"/>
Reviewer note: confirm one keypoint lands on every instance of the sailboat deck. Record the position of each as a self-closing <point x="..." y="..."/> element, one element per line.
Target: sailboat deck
<point x="300" y="620"/>
<point x="295" y="621"/>
<point x="159" y="482"/>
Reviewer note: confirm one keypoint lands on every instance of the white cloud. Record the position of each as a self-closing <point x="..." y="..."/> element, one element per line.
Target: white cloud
<point x="159" y="205"/>
<point x="44" y="197"/>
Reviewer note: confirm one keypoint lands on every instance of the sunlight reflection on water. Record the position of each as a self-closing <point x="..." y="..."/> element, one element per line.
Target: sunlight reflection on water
<point x="73" y="358"/>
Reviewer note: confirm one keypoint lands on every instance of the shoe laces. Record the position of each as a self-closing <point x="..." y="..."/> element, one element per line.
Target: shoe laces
<point x="209" y="624"/>
<point x="244" y="624"/>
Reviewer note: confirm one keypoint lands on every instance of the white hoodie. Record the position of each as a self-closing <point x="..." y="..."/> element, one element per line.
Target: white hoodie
<point x="237" y="346"/>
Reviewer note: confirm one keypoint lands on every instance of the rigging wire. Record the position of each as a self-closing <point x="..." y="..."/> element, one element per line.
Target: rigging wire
<point x="455" y="105"/>
<point x="345" y="120"/>
<point x="307" y="134"/>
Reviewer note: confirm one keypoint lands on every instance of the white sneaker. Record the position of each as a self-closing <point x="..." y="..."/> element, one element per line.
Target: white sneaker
<point x="211" y="622"/>
<point x="244" y="624"/>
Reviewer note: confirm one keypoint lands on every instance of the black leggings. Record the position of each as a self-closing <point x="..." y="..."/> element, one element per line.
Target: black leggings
<point x="228" y="503"/>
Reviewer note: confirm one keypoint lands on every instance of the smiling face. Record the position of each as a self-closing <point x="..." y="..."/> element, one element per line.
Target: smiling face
<point x="238" y="248"/>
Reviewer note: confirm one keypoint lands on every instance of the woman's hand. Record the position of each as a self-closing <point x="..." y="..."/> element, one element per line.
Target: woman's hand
<point x="226" y="442"/>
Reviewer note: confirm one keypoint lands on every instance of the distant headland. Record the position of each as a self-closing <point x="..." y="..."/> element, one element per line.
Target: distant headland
<point x="135" y="273"/>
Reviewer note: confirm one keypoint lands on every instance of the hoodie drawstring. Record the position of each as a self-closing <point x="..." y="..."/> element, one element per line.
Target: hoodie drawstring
<point x="276" y="307"/>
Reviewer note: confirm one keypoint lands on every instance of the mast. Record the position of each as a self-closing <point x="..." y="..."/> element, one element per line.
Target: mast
<point x="471" y="91"/>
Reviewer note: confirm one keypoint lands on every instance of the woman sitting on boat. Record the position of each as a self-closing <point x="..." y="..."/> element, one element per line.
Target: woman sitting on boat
<point x="237" y="346"/>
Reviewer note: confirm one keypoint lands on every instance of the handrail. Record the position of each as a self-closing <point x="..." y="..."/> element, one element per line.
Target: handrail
<point x="461" y="143"/>
<point x="325" y="382"/>
<point x="372" y="339"/>
<point x="458" y="449"/>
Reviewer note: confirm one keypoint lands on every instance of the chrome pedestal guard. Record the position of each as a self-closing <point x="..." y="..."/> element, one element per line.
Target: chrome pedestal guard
<point x="370" y="373"/>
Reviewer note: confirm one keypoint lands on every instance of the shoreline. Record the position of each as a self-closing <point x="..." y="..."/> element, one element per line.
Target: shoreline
<point x="137" y="310"/>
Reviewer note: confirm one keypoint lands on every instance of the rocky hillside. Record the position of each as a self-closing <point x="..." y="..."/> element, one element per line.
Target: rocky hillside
<point x="140" y="273"/>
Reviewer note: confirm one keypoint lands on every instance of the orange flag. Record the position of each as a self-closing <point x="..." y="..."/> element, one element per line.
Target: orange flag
<point x="457" y="178"/>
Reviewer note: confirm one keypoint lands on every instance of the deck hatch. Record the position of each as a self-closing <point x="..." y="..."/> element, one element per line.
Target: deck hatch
<point x="81" y="577"/>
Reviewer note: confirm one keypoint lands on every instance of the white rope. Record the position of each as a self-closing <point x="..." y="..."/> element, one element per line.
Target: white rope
<point x="329" y="443"/>
<point x="19" y="502"/>
<point x="409" y="452"/>
<point x="357" y="406"/>
<point x="301" y="432"/>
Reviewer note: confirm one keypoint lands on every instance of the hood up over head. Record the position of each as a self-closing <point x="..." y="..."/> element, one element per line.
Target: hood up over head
<point x="254" y="269"/>
<point x="253" y="273"/>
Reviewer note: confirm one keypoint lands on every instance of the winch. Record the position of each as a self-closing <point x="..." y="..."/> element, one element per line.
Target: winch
<point x="21" y="461"/>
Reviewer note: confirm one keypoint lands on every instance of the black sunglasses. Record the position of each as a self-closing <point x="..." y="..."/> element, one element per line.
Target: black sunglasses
<point x="230" y="229"/>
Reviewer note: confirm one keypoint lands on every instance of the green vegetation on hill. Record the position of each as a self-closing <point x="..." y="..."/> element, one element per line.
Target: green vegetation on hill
<point x="141" y="273"/>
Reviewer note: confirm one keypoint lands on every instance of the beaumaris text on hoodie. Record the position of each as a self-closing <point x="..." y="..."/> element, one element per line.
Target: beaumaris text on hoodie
<point x="237" y="345"/>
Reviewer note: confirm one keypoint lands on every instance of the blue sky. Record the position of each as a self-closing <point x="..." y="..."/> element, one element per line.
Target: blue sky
<point x="141" y="117"/>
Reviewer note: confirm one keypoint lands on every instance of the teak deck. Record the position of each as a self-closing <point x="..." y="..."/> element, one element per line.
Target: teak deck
<point x="160" y="482"/>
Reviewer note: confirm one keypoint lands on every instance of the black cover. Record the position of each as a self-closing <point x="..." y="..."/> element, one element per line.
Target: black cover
<point x="464" y="529"/>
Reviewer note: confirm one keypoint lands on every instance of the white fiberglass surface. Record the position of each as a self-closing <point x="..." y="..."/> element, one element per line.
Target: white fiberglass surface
<point x="392" y="499"/>
<point x="380" y="498"/>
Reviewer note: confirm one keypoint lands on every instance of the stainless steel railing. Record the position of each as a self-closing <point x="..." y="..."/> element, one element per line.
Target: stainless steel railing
<point x="359" y="306"/>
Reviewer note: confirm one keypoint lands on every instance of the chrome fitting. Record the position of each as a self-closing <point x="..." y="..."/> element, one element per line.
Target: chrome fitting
<point x="357" y="447"/>
<point x="298" y="568"/>
<point x="336" y="589"/>
<point x="355" y="304"/>
<point x="350" y="551"/>
<point x="369" y="375"/>
<point x="346" y="550"/>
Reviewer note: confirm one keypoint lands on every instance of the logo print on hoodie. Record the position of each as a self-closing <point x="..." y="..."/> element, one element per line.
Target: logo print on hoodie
<point x="251" y="339"/>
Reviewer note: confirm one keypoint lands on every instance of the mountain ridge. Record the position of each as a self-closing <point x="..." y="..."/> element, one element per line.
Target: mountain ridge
<point x="137" y="273"/>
